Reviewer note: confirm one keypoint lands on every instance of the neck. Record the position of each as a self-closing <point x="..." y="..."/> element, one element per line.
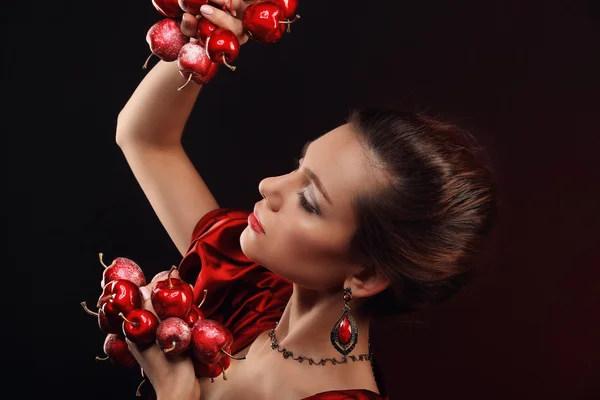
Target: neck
<point x="308" y="319"/>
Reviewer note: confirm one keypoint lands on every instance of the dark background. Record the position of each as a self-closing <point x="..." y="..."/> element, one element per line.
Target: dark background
<point x="522" y="76"/>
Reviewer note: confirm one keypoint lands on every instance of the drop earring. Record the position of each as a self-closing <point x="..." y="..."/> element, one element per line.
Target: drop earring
<point x="344" y="334"/>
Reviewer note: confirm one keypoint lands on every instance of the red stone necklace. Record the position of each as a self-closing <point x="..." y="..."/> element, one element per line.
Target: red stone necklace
<point x="289" y="354"/>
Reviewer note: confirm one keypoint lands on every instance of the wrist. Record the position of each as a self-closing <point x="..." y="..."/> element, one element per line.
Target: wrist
<point x="180" y="392"/>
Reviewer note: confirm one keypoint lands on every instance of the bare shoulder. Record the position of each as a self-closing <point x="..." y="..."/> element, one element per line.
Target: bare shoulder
<point x="241" y="379"/>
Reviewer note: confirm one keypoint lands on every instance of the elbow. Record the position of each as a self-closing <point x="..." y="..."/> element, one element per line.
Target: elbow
<point x="121" y="130"/>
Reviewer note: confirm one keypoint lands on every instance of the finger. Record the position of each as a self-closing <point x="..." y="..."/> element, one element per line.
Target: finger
<point x="189" y="25"/>
<point x="162" y="275"/>
<point x="237" y="7"/>
<point x="223" y="20"/>
<point x="146" y="292"/>
<point x="143" y="354"/>
<point x="159" y="276"/>
<point x="133" y="349"/>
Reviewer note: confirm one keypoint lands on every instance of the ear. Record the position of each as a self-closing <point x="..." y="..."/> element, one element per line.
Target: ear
<point x="366" y="282"/>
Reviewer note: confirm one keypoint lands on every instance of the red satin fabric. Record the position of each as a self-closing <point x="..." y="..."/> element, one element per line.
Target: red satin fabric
<point x="242" y="295"/>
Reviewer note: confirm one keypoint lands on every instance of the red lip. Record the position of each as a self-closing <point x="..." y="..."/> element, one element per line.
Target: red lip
<point x="254" y="222"/>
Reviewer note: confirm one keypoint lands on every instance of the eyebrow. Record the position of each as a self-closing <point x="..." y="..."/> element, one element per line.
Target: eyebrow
<point x="312" y="176"/>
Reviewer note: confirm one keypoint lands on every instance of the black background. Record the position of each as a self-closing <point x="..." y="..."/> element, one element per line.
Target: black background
<point x="520" y="75"/>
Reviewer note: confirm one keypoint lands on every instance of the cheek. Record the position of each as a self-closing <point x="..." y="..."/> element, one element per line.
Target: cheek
<point x="307" y="253"/>
<point x="301" y="237"/>
<point x="285" y="243"/>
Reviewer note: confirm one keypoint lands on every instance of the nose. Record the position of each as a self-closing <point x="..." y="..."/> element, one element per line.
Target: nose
<point x="272" y="190"/>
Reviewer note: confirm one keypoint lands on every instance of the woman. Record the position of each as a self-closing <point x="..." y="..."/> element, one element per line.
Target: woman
<point x="383" y="214"/>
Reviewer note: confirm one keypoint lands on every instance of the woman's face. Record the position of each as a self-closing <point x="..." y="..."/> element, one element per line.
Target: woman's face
<point x="307" y="215"/>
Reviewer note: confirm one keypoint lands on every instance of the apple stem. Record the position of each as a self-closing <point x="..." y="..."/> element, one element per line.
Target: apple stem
<point x="203" y="298"/>
<point x="290" y="22"/>
<point x="101" y="359"/>
<point x="223" y="371"/>
<point x="101" y="261"/>
<point x="87" y="310"/>
<point x="169" y="276"/>
<point x="126" y="320"/>
<point x="147" y="60"/>
<point x="186" y="83"/>
<point x="138" y="392"/>
<point x="231" y="356"/>
<point x="231" y="67"/>
<point x="171" y="348"/>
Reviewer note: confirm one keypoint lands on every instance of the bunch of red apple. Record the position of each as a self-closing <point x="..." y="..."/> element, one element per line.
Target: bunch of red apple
<point x="178" y="327"/>
<point x="198" y="58"/>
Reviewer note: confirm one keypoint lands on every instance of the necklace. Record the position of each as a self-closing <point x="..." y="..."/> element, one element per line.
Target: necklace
<point x="289" y="354"/>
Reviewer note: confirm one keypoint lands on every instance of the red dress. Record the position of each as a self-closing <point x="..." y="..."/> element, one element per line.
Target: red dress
<point x="242" y="295"/>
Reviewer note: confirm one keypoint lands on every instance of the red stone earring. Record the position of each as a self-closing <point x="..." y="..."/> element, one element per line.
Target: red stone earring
<point x="344" y="334"/>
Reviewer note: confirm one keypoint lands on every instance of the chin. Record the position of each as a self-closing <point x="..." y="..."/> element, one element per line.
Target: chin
<point x="248" y="244"/>
<point x="252" y="248"/>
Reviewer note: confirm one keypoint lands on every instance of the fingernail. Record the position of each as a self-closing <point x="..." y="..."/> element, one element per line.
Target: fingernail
<point x="145" y="292"/>
<point x="206" y="9"/>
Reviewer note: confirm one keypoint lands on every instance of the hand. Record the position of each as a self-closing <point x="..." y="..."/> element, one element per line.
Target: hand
<point x="229" y="20"/>
<point x="172" y="377"/>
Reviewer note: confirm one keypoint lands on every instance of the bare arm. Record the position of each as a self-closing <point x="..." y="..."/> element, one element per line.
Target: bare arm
<point x="149" y="130"/>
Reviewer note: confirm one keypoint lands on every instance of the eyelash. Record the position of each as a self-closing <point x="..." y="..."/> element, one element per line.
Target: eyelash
<point x="303" y="201"/>
<point x="305" y="204"/>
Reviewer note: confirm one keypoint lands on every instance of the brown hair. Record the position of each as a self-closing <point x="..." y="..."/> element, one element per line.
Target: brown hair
<point x="423" y="229"/>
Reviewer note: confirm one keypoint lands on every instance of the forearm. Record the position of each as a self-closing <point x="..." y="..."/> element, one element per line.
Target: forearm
<point x="157" y="112"/>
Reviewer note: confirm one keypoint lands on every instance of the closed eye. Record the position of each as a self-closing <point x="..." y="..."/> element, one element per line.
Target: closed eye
<point x="304" y="203"/>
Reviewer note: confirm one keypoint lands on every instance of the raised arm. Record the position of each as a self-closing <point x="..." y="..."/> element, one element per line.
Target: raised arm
<point x="149" y="130"/>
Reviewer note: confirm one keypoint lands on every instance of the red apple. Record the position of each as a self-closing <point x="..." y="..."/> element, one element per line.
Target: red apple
<point x="168" y="8"/>
<point x="165" y="40"/>
<point x="120" y="296"/>
<point x="122" y="268"/>
<point x="223" y="47"/>
<point x="116" y="350"/>
<point x="140" y="326"/>
<point x="288" y="7"/>
<point x="173" y="335"/>
<point x="262" y="21"/>
<point x="192" y="6"/>
<point x="193" y="316"/>
<point x="172" y="297"/>
<point x="107" y="325"/>
<point x="195" y="312"/>
<point x="211" y="370"/>
<point x="204" y="29"/>
<point x="194" y="65"/>
<point x="211" y="341"/>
